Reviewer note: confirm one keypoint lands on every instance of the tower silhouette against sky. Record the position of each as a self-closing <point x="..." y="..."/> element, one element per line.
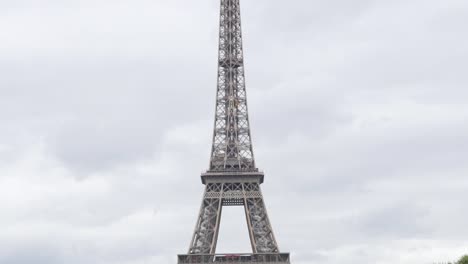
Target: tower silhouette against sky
<point x="232" y="178"/>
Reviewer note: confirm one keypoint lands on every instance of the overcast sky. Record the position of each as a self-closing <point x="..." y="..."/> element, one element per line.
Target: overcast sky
<point x="358" y="110"/>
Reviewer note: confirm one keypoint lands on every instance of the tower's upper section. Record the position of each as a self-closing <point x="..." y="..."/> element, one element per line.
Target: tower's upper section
<point x="232" y="144"/>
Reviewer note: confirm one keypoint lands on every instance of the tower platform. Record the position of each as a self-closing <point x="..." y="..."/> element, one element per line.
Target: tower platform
<point x="270" y="258"/>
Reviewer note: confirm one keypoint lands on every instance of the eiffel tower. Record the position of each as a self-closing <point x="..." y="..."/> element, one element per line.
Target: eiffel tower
<point x="232" y="178"/>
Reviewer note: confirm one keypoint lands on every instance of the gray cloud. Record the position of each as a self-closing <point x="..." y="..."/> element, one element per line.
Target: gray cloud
<point x="358" y="113"/>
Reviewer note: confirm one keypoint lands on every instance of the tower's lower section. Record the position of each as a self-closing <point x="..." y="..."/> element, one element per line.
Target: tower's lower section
<point x="233" y="189"/>
<point x="273" y="258"/>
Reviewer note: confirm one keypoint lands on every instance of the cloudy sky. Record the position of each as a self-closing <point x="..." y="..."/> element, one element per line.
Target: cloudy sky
<point x="358" y="110"/>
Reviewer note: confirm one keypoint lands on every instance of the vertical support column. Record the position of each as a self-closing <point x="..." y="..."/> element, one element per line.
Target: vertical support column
<point x="260" y="226"/>
<point x="249" y="223"/>
<point x="207" y="228"/>
<point x="218" y="221"/>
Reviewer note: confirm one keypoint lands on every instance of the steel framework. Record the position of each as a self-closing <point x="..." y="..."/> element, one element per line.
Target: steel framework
<point x="232" y="178"/>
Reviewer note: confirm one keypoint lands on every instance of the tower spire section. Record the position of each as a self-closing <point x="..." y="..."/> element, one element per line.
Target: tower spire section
<point x="232" y="143"/>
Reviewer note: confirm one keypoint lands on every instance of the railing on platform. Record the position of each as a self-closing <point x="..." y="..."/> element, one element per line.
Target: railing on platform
<point x="271" y="258"/>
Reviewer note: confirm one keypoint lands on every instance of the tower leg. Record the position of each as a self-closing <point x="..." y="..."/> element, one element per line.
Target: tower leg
<point x="233" y="192"/>
<point x="260" y="230"/>
<point x="207" y="228"/>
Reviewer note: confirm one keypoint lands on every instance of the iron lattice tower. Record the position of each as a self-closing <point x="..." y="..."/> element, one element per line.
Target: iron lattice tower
<point x="232" y="178"/>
